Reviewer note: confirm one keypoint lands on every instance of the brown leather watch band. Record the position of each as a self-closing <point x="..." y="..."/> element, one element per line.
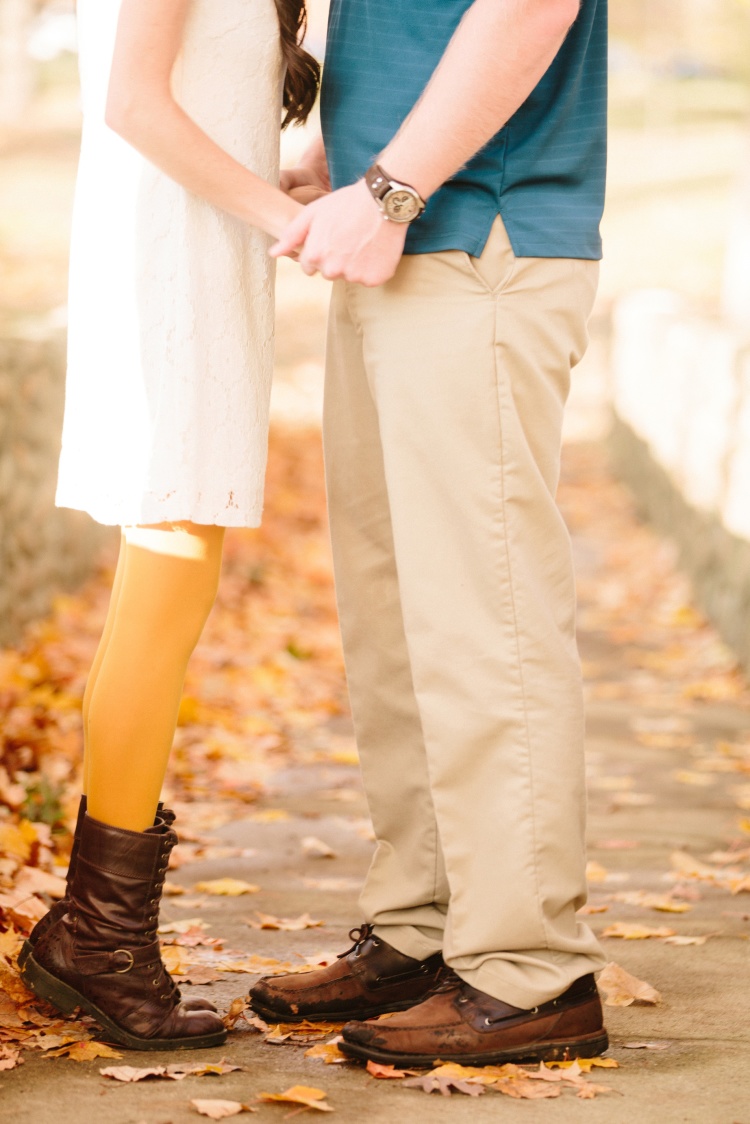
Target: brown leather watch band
<point x="378" y="181"/>
<point x="399" y="202"/>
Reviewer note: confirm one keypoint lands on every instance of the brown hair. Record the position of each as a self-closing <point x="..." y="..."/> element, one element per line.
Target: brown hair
<point x="302" y="70"/>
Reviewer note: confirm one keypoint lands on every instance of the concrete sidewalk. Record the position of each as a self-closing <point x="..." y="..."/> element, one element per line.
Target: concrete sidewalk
<point x="669" y="754"/>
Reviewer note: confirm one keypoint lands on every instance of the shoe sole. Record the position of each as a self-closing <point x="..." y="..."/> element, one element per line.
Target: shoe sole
<point x="66" y="999"/>
<point x="331" y="1016"/>
<point x="589" y="1047"/>
<point x="26" y="950"/>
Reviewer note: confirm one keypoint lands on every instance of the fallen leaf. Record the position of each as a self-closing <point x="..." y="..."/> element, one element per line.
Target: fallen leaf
<point x="207" y="1069"/>
<point x="219" y="1110"/>
<point x="526" y="1090"/>
<point x="176" y="960"/>
<point x="172" y="890"/>
<point x="270" y="815"/>
<point x="386" y="1071"/>
<point x="12" y="985"/>
<point x="585" y="1065"/>
<point x="129" y="1073"/>
<point x="9" y="1058"/>
<point x="236" y="1010"/>
<point x="633" y="932"/>
<point x="595" y="872"/>
<point x="621" y="989"/>
<point x="84" y="1051"/>
<point x="298" y="1094"/>
<point x="301" y="1032"/>
<point x="315" y="848"/>
<point x="688" y="867"/>
<point x="682" y="942"/>
<point x="662" y="903"/>
<point x="587" y="1092"/>
<point x="32" y="880"/>
<point x="182" y="926"/>
<point x="200" y="975"/>
<point x="485" y="1074"/>
<point x="284" y="924"/>
<point x="436" y="1083"/>
<point x="226" y="887"/>
<point x="328" y="1051"/>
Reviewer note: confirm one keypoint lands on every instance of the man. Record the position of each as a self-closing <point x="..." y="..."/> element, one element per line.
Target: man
<point x="452" y="338"/>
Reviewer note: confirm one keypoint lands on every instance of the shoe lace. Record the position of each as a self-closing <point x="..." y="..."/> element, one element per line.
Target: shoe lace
<point x="359" y="935"/>
<point x="446" y="980"/>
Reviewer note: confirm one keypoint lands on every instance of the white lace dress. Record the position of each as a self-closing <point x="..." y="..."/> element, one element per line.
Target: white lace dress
<point x="171" y="300"/>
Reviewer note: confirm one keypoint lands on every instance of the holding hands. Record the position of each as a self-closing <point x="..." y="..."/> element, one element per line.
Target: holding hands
<point x="340" y="234"/>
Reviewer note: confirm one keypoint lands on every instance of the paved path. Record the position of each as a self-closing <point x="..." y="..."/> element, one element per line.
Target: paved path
<point x="669" y="754"/>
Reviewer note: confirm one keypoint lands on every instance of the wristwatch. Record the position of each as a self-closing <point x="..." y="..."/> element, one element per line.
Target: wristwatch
<point x="398" y="201"/>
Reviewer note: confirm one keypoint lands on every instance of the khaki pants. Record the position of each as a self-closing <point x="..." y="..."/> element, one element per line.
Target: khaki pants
<point x="444" y="401"/>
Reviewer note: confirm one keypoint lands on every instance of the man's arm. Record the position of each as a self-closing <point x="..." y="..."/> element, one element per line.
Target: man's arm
<point x="498" y="54"/>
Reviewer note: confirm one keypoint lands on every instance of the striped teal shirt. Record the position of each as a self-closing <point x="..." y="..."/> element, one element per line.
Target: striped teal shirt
<point x="543" y="172"/>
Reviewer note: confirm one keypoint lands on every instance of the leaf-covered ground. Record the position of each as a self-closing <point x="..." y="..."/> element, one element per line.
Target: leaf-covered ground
<point x="276" y="836"/>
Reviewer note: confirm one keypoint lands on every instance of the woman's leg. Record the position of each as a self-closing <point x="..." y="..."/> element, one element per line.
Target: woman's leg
<point x="168" y="582"/>
<point x="98" y="658"/>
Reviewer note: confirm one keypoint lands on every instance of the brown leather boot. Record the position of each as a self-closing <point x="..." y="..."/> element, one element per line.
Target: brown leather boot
<point x="370" y="979"/>
<point x="104" y="956"/>
<point x="460" y="1024"/>
<point x="59" y="909"/>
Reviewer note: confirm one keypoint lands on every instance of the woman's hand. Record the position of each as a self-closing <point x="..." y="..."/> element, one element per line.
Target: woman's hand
<point x="306" y="194"/>
<point x="310" y="172"/>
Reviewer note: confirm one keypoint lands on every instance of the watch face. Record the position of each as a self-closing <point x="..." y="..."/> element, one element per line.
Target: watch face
<point x="401" y="206"/>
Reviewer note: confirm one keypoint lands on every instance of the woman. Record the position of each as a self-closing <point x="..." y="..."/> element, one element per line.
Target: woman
<point x="165" y="433"/>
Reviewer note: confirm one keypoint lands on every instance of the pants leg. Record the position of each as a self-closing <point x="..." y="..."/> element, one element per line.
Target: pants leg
<point x="468" y="366"/>
<point x="406" y="888"/>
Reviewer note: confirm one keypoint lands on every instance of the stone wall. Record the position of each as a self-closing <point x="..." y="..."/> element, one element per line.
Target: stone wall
<point x="681" y="440"/>
<point x="43" y="549"/>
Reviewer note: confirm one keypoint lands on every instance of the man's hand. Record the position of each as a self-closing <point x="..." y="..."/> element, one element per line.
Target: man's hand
<point x="344" y="235"/>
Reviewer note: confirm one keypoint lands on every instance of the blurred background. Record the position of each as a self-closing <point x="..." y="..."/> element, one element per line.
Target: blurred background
<point x="666" y="383"/>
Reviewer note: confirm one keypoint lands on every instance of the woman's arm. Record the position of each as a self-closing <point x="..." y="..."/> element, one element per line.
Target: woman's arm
<point x="143" y="111"/>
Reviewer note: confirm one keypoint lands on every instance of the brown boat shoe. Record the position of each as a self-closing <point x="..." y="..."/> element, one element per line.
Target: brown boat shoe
<point x="458" y="1023"/>
<point x="371" y="978"/>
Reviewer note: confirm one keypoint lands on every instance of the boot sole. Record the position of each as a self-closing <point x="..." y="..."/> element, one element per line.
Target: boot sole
<point x="272" y="1016"/>
<point x="66" y="999"/>
<point x="590" y="1047"/>
<point x="26" y="950"/>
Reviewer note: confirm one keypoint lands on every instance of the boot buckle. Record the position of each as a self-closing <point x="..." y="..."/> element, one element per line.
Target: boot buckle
<point x="125" y="952"/>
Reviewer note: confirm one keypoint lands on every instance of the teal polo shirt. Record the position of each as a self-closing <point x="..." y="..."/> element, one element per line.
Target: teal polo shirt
<point x="543" y="172"/>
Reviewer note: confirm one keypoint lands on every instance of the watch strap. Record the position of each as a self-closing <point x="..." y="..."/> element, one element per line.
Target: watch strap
<point x="380" y="184"/>
<point x="378" y="181"/>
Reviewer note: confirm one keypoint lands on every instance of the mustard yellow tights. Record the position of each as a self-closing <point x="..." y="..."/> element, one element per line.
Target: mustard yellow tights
<point x="164" y="587"/>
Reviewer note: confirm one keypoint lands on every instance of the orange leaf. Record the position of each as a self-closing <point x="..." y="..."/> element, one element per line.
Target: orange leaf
<point x="298" y="1094"/>
<point x="84" y="1051"/>
<point x="377" y="1070"/>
